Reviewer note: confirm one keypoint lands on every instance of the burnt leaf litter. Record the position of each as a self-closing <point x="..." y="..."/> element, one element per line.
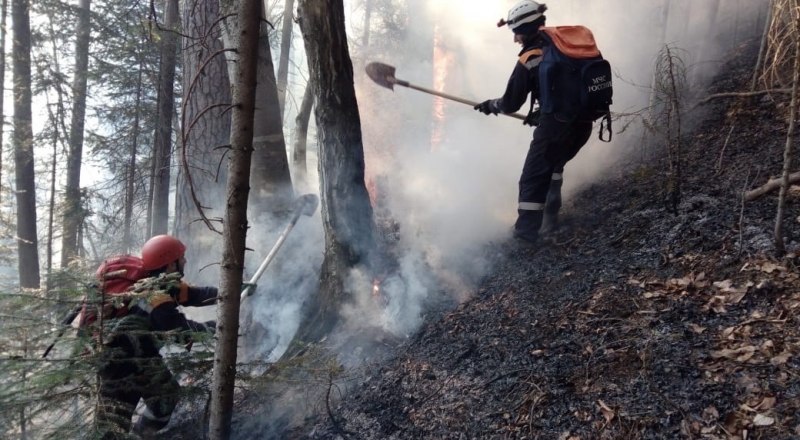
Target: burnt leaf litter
<point x="631" y="322"/>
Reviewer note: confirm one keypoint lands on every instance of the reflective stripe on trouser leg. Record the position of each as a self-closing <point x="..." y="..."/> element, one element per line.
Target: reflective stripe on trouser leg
<point x="530" y="206"/>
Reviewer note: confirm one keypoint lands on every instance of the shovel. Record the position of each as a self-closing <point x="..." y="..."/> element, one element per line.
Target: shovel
<point x="383" y="75"/>
<point x="304" y="205"/>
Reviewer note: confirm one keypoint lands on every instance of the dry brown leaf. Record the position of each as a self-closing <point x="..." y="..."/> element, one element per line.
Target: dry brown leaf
<point x="696" y="328"/>
<point x="763" y="420"/>
<point x="770" y="267"/>
<point x="710" y="414"/>
<point x="780" y="359"/>
<point x="767" y="403"/>
<point x="649" y="295"/>
<point x="741" y="354"/>
<point x="608" y="413"/>
<point x="635" y="282"/>
<point x="723" y="285"/>
<point x="728" y="332"/>
<point x="717" y="304"/>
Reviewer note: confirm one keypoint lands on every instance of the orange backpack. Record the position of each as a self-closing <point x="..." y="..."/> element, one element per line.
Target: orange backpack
<point x="115" y="277"/>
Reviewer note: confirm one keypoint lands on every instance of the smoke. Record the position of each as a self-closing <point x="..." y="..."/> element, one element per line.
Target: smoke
<point x="445" y="190"/>
<point x="452" y="200"/>
<point x="453" y="197"/>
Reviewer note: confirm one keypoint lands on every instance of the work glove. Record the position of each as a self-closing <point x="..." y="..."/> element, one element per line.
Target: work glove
<point x="486" y="107"/>
<point x="533" y="118"/>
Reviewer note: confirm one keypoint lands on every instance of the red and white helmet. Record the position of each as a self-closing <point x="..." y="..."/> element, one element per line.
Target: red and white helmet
<point x="160" y="251"/>
<point x="523" y="12"/>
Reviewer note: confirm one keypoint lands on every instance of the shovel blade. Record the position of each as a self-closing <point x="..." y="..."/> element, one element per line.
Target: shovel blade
<point x="382" y="74"/>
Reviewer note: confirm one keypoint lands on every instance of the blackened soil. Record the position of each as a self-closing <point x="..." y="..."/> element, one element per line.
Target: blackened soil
<point x="632" y="322"/>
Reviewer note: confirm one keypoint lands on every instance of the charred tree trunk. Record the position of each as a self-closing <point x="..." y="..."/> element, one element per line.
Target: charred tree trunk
<point x="25" y="179"/>
<point x="286" y="46"/>
<point x="163" y="139"/>
<point x="235" y="222"/>
<point x="206" y="130"/>
<point x="301" y="135"/>
<point x="346" y="211"/>
<point x="73" y="212"/>
<point x="270" y="177"/>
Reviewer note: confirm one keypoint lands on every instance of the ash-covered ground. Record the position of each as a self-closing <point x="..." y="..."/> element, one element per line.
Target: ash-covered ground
<point x="632" y="321"/>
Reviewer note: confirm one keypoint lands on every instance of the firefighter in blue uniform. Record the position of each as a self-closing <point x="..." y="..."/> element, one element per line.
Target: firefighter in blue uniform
<point x="557" y="137"/>
<point x="132" y="368"/>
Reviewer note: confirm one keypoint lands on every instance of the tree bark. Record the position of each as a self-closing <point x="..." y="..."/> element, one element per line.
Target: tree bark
<point x="770" y="186"/>
<point x="780" y="247"/>
<point x="301" y="136"/>
<point x="762" y="47"/>
<point x="346" y="211"/>
<point x="27" y="238"/>
<point x="73" y="212"/>
<point x="130" y="174"/>
<point x="270" y="176"/>
<point x="163" y="138"/>
<point x="3" y="14"/>
<point x="286" y="46"/>
<point x="235" y="221"/>
<point x="206" y="129"/>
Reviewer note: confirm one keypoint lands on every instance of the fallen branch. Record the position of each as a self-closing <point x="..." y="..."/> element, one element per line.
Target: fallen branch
<point x="710" y="98"/>
<point x="770" y="186"/>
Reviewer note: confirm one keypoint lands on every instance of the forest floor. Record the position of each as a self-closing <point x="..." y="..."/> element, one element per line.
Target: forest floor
<point x="631" y="322"/>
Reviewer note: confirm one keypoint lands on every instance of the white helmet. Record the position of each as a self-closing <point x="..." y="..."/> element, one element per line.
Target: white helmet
<point x="523" y="12"/>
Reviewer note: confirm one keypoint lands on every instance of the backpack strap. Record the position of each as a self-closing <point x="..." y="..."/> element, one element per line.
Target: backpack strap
<point x="605" y="122"/>
<point x="531" y="58"/>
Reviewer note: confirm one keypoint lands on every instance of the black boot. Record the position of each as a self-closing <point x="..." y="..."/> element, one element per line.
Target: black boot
<point x="551" y="207"/>
<point x="526" y="229"/>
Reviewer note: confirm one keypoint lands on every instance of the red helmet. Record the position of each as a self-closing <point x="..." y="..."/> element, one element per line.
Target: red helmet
<point x="161" y="250"/>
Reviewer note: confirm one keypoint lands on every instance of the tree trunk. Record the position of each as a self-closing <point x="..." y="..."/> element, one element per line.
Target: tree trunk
<point x="27" y="238"/>
<point x="163" y="137"/>
<point x="3" y="13"/>
<point x="235" y="222"/>
<point x="286" y="46"/>
<point x="780" y="248"/>
<point x="301" y="136"/>
<point x="762" y="46"/>
<point x="51" y="206"/>
<point x="130" y="174"/>
<point x="270" y="176"/>
<point x="206" y="127"/>
<point x="346" y="210"/>
<point x="73" y="213"/>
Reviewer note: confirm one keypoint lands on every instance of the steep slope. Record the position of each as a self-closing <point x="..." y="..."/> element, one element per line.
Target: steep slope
<point x="631" y="322"/>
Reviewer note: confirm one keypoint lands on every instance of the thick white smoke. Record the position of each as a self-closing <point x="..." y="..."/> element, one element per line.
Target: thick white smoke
<point x="452" y="197"/>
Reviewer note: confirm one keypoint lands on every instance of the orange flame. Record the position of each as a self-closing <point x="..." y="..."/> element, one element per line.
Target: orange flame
<point x="442" y="60"/>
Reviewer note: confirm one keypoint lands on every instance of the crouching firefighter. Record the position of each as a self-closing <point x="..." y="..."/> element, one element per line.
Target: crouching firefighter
<point x="562" y="69"/>
<point x="130" y="366"/>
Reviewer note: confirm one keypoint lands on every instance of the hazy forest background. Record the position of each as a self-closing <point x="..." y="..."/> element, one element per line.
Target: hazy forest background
<point x="120" y="122"/>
